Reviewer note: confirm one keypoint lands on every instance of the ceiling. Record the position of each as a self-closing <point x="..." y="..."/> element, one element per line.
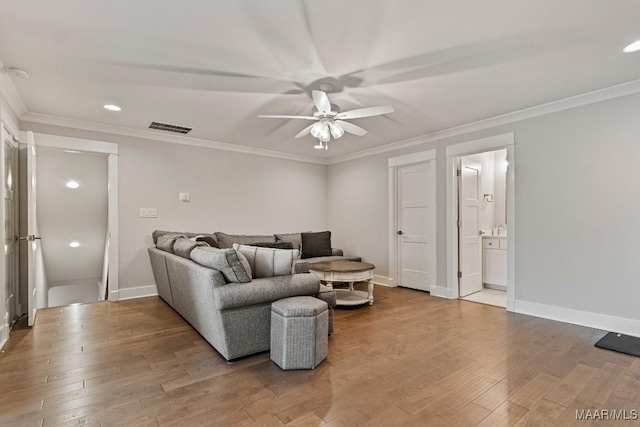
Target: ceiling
<point x="216" y="65"/>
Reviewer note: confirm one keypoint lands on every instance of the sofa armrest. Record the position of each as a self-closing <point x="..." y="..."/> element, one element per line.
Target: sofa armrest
<point x="336" y="252"/>
<point x="265" y="290"/>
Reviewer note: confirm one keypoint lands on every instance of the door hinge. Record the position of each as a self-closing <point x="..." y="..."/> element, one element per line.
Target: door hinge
<point x="459" y="172"/>
<point x="459" y="223"/>
<point x="459" y="274"/>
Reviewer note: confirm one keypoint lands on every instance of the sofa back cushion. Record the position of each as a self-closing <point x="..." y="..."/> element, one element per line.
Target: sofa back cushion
<point x="269" y="262"/>
<point x="294" y="238"/>
<point x="227" y="240"/>
<point x="166" y="242"/>
<point x="232" y="264"/>
<point x="183" y="246"/>
<point x="157" y="233"/>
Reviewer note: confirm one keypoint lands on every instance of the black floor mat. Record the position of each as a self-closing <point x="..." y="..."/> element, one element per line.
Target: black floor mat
<point x="621" y="343"/>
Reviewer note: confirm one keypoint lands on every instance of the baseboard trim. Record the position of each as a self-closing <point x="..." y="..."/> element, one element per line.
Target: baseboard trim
<point x="4" y="335"/>
<point x="495" y="287"/>
<point x="139" y="292"/>
<point x="442" y="292"/>
<point x="578" y="317"/>
<point x="384" y="281"/>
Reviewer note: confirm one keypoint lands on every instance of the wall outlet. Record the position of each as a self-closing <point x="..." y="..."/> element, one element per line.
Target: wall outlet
<point x="148" y="213"/>
<point x="184" y="197"/>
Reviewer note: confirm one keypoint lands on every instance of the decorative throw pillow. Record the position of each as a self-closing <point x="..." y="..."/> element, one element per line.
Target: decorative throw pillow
<point x="166" y="241"/>
<point x="294" y="238"/>
<point x="157" y="233"/>
<point x="209" y="240"/>
<point x="232" y="264"/>
<point x="268" y="262"/>
<point x="183" y="247"/>
<point x="316" y="244"/>
<point x="276" y="245"/>
<point x="227" y="240"/>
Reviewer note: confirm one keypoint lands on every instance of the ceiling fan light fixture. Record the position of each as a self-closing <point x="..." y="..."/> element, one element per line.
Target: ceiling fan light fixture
<point x="336" y="130"/>
<point x="319" y="146"/>
<point x="633" y="47"/>
<point x="316" y="130"/>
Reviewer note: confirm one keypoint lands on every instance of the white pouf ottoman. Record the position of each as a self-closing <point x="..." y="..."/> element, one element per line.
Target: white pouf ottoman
<point x="299" y="332"/>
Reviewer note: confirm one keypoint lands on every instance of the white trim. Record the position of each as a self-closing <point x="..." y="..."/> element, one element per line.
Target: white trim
<point x="383" y="281"/>
<point x="577" y="317"/>
<point x="442" y="292"/>
<point x="131" y="293"/>
<point x="428" y="156"/>
<point x="492" y="143"/>
<point x="4" y="335"/>
<point x="413" y="158"/>
<point x="10" y="93"/>
<point x="160" y="136"/>
<point x="581" y="100"/>
<point x="112" y="227"/>
<point x="78" y="144"/>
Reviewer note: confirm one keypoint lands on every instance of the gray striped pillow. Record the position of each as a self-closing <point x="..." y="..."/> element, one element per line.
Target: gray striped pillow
<point x="268" y="262"/>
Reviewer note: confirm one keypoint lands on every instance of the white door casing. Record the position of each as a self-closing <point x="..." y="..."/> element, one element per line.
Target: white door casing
<point x="469" y="238"/>
<point x="10" y="206"/>
<point x="414" y="211"/>
<point x="33" y="243"/>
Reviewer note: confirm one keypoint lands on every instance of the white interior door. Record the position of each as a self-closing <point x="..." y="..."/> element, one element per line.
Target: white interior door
<point x="11" y="248"/>
<point x="470" y="240"/>
<point x="414" y="239"/>
<point x="33" y="240"/>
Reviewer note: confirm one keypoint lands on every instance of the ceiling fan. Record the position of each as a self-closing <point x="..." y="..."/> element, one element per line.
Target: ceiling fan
<point x="329" y="121"/>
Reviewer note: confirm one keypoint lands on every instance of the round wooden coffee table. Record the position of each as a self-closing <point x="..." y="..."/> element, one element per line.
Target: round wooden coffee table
<point x="350" y="272"/>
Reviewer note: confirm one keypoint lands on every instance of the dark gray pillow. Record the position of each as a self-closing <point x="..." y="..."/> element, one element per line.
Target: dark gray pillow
<point x="231" y="263"/>
<point x="294" y="238"/>
<point x="275" y="245"/>
<point x="227" y="240"/>
<point x="316" y="244"/>
<point x="209" y="240"/>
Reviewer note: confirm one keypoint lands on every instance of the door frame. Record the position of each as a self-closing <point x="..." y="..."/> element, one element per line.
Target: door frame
<point x="492" y="143"/>
<point x="394" y="163"/>
<point x="111" y="149"/>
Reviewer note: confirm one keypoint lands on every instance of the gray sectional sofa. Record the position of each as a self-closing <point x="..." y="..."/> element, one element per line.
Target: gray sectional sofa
<point x="234" y="318"/>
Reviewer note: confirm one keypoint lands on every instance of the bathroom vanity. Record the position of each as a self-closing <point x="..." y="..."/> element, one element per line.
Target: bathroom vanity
<point x="494" y="260"/>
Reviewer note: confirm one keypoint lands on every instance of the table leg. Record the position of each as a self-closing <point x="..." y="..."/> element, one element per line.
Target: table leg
<point x="370" y="291"/>
<point x="350" y="286"/>
<point x="329" y="283"/>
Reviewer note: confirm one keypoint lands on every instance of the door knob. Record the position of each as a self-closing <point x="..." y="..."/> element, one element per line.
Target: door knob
<point x="400" y="232"/>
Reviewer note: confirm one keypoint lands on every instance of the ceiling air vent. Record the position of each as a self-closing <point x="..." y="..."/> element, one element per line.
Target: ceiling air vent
<point x="169" y="128"/>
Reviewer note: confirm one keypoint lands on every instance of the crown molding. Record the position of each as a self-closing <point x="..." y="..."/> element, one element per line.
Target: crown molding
<point x="9" y="92"/>
<point x="588" y="98"/>
<point x="45" y="119"/>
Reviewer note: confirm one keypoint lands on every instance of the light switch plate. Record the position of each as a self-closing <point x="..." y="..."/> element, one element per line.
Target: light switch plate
<point x="148" y="213"/>
<point x="184" y="197"/>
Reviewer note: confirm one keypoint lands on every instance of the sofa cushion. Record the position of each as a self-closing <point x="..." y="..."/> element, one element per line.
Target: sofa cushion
<point x="183" y="246"/>
<point x="165" y="242"/>
<point x="268" y="262"/>
<point x="265" y="290"/>
<point x="157" y="233"/>
<point x="316" y="244"/>
<point x="294" y="238"/>
<point x="276" y="245"/>
<point x="227" y="240"/>
<point x="209" y="239"/>
<point x="232" y="264"/>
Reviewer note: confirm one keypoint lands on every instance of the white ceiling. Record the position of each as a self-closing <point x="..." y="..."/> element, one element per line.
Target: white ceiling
<point x="216" y="65"/>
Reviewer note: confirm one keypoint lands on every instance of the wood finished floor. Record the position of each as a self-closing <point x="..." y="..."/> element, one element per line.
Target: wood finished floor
<point x="408" y="360"/>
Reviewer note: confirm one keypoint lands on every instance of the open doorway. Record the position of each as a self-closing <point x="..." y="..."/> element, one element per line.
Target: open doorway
<point x="482" y="227"/>
<point x="481" y="220"/>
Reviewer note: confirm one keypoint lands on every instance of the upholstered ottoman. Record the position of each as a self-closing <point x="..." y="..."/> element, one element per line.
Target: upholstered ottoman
<point x="299" y="332"/>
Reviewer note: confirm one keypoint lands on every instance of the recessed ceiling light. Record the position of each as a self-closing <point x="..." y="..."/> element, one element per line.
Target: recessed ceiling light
<point x="72" y="184"/>
<point x="74" y="244"/>
<point x="633" y="47"/>
<point x="112" y="107"/>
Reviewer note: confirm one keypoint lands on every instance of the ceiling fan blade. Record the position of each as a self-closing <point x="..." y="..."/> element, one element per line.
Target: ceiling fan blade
<point x="351" y="128"/>
<point x="305" y="131"/>
<point x="321" y="101"/>
<point x="366" y="112"/>
<point x="277" y="116"/>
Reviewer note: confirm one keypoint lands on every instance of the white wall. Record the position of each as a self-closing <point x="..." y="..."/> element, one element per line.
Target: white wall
<point x="66" y="215"/>
<point x="230" y="192"/>
<point x="576" y="220"/>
